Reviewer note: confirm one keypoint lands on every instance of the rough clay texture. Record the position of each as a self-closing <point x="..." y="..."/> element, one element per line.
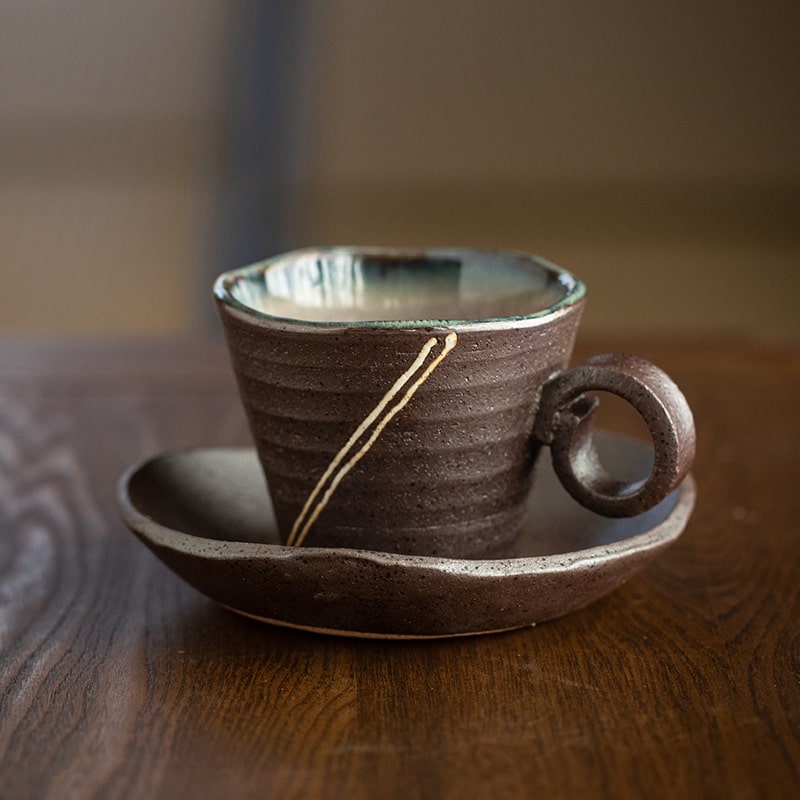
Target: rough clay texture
<point x="448" y="476"/>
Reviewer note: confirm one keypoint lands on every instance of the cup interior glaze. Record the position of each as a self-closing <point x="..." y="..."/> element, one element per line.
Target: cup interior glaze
<point x="388" y="288"/>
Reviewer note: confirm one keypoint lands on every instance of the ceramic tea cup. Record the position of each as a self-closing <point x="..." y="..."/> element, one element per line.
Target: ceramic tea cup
<point x="399" y="400"/>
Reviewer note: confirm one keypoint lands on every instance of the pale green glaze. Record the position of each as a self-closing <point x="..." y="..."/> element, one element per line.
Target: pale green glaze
<point x="400" y="289"/>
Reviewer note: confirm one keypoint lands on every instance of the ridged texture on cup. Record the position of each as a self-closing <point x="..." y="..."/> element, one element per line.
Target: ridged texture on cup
<point x="448" y="476"/>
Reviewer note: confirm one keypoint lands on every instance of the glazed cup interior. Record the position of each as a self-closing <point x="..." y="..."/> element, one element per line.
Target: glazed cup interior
<point x="388" y="287"/>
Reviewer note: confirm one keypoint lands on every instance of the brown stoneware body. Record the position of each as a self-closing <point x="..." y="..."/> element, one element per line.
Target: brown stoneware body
<point x="449" y="475"/>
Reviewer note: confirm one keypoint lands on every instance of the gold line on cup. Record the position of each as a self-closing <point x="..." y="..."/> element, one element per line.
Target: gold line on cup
<point x="310" y="512"/>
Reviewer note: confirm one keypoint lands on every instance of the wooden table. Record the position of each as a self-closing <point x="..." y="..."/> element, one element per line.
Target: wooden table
<point x="117" y="680"/>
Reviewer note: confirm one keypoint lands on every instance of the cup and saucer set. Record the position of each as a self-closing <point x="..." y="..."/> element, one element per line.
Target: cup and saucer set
<point x="424" y="462"/>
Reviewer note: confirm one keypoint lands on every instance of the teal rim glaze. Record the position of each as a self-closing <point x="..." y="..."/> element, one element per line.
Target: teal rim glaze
<point x="307" y="273"/>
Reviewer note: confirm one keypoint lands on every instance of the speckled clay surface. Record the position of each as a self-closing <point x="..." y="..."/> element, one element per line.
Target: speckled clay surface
<point x="206" y="514"/>
<point x="393" y="396"/>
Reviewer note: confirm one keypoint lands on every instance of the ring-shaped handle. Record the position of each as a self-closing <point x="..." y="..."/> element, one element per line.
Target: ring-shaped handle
<point x="564" y="422"/>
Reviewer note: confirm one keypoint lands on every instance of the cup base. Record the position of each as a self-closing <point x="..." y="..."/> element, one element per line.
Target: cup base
<point x="491" y="537"/>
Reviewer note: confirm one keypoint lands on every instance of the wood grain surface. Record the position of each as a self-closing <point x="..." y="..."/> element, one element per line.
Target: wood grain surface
<point x="119" y="681"/>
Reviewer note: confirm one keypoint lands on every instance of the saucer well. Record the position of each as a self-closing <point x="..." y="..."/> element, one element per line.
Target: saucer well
<point x="207" y="515"/>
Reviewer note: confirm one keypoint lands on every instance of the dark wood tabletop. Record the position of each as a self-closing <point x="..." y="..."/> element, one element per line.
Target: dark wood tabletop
<point x="118" y="680"/>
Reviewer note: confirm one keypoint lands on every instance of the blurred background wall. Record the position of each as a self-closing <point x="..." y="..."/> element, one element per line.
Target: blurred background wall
<point x="652" y="148"/>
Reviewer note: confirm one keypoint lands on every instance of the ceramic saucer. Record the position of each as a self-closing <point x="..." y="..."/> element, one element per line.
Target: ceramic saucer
<point x="207" y="515"/>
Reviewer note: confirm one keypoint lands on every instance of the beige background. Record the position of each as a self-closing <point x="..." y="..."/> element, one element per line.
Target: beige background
<point x="651" y="148"/>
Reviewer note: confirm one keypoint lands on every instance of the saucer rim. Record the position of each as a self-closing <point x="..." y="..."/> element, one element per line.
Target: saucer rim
<point x="661" y="534"/>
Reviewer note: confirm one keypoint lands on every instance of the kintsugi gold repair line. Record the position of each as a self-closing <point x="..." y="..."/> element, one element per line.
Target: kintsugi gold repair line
<point x="307" y="517"/>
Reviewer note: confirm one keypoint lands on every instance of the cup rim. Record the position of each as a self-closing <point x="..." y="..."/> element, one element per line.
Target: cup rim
<point x="575" y="291"/>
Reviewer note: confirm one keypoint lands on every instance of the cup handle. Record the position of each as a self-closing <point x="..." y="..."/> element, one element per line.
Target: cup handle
<point x="564" y="422"/>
